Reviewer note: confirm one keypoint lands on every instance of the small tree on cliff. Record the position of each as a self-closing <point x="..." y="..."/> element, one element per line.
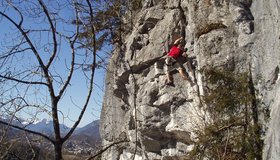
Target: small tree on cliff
<point x="112" y="18"/>
<point x="41" y="55"/>
<point x="232" y="130"/>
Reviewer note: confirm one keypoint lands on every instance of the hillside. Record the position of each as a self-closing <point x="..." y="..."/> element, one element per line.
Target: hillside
<point x="84" y="141"/>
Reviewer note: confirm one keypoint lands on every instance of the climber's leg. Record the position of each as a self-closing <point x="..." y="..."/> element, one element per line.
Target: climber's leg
<point x="184" y="74"/>
<point x="169" y="78"/>
<point x="169" y="67"/>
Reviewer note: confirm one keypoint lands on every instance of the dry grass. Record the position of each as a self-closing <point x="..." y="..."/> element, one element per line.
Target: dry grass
<point x="74" y="157"/>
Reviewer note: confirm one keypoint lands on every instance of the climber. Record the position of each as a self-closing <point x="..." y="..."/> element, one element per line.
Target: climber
<point x="172" y="62"/>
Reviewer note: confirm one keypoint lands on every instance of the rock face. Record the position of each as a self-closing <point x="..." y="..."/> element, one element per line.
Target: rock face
<point x="266" y="60"/>
<point x="158" y="121"/>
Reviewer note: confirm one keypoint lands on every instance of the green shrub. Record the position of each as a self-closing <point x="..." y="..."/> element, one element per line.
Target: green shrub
<point x="232" y="131"/>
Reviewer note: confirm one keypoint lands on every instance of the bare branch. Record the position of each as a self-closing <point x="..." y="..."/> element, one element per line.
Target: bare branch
<point x="42" y="65"/>
<point x="91" y="77"/>
<point x="26" y="37"/>
<point x="14" y="50"/>
<point x="27" y="130"/>
<point x="53" y="32"/>
<point x="20" y="14"/>
<point x="73" y="58"/>
<point x="106" y="148"/>
<point x="21" y="81"/>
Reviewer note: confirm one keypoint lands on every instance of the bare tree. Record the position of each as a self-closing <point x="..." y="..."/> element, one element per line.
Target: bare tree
<point x="40" y="57"/>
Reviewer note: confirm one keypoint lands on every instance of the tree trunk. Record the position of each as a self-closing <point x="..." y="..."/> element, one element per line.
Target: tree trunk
<point x="58" y="151"/>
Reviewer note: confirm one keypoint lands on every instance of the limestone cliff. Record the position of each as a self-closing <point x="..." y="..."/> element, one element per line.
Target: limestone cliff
<point x="159" y="121"/>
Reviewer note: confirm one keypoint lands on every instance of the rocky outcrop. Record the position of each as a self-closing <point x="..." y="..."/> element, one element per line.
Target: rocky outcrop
<point x="158" y="121"/>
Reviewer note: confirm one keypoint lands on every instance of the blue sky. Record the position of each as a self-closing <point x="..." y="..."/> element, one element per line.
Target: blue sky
<point x="76" y="93"/>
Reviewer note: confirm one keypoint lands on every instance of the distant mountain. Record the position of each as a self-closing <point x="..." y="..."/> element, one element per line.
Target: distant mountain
<point x="85" y="140"/>
<point x="91" y="129"/>
<point x="45" y="126"/>
<point x="87" y="136"/>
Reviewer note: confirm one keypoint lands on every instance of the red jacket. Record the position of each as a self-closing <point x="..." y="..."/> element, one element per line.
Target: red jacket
<point x="175" y="52"/>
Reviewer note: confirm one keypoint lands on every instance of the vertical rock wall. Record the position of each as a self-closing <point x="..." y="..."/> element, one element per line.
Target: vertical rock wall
<point x="158" y="121"/>
<point x="266" y="59"/>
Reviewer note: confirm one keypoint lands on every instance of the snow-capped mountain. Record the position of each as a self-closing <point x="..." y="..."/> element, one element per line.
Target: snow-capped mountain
<point x="46" y="126"/>
<point x="84" y="140"/>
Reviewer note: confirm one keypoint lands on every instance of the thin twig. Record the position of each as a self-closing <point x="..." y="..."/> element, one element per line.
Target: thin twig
<point x="106" y="148"/>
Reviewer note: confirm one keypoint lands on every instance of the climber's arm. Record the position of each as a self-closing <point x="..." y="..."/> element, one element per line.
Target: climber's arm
<point x="178" y="40"/>
<point x="184" y="54"/>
